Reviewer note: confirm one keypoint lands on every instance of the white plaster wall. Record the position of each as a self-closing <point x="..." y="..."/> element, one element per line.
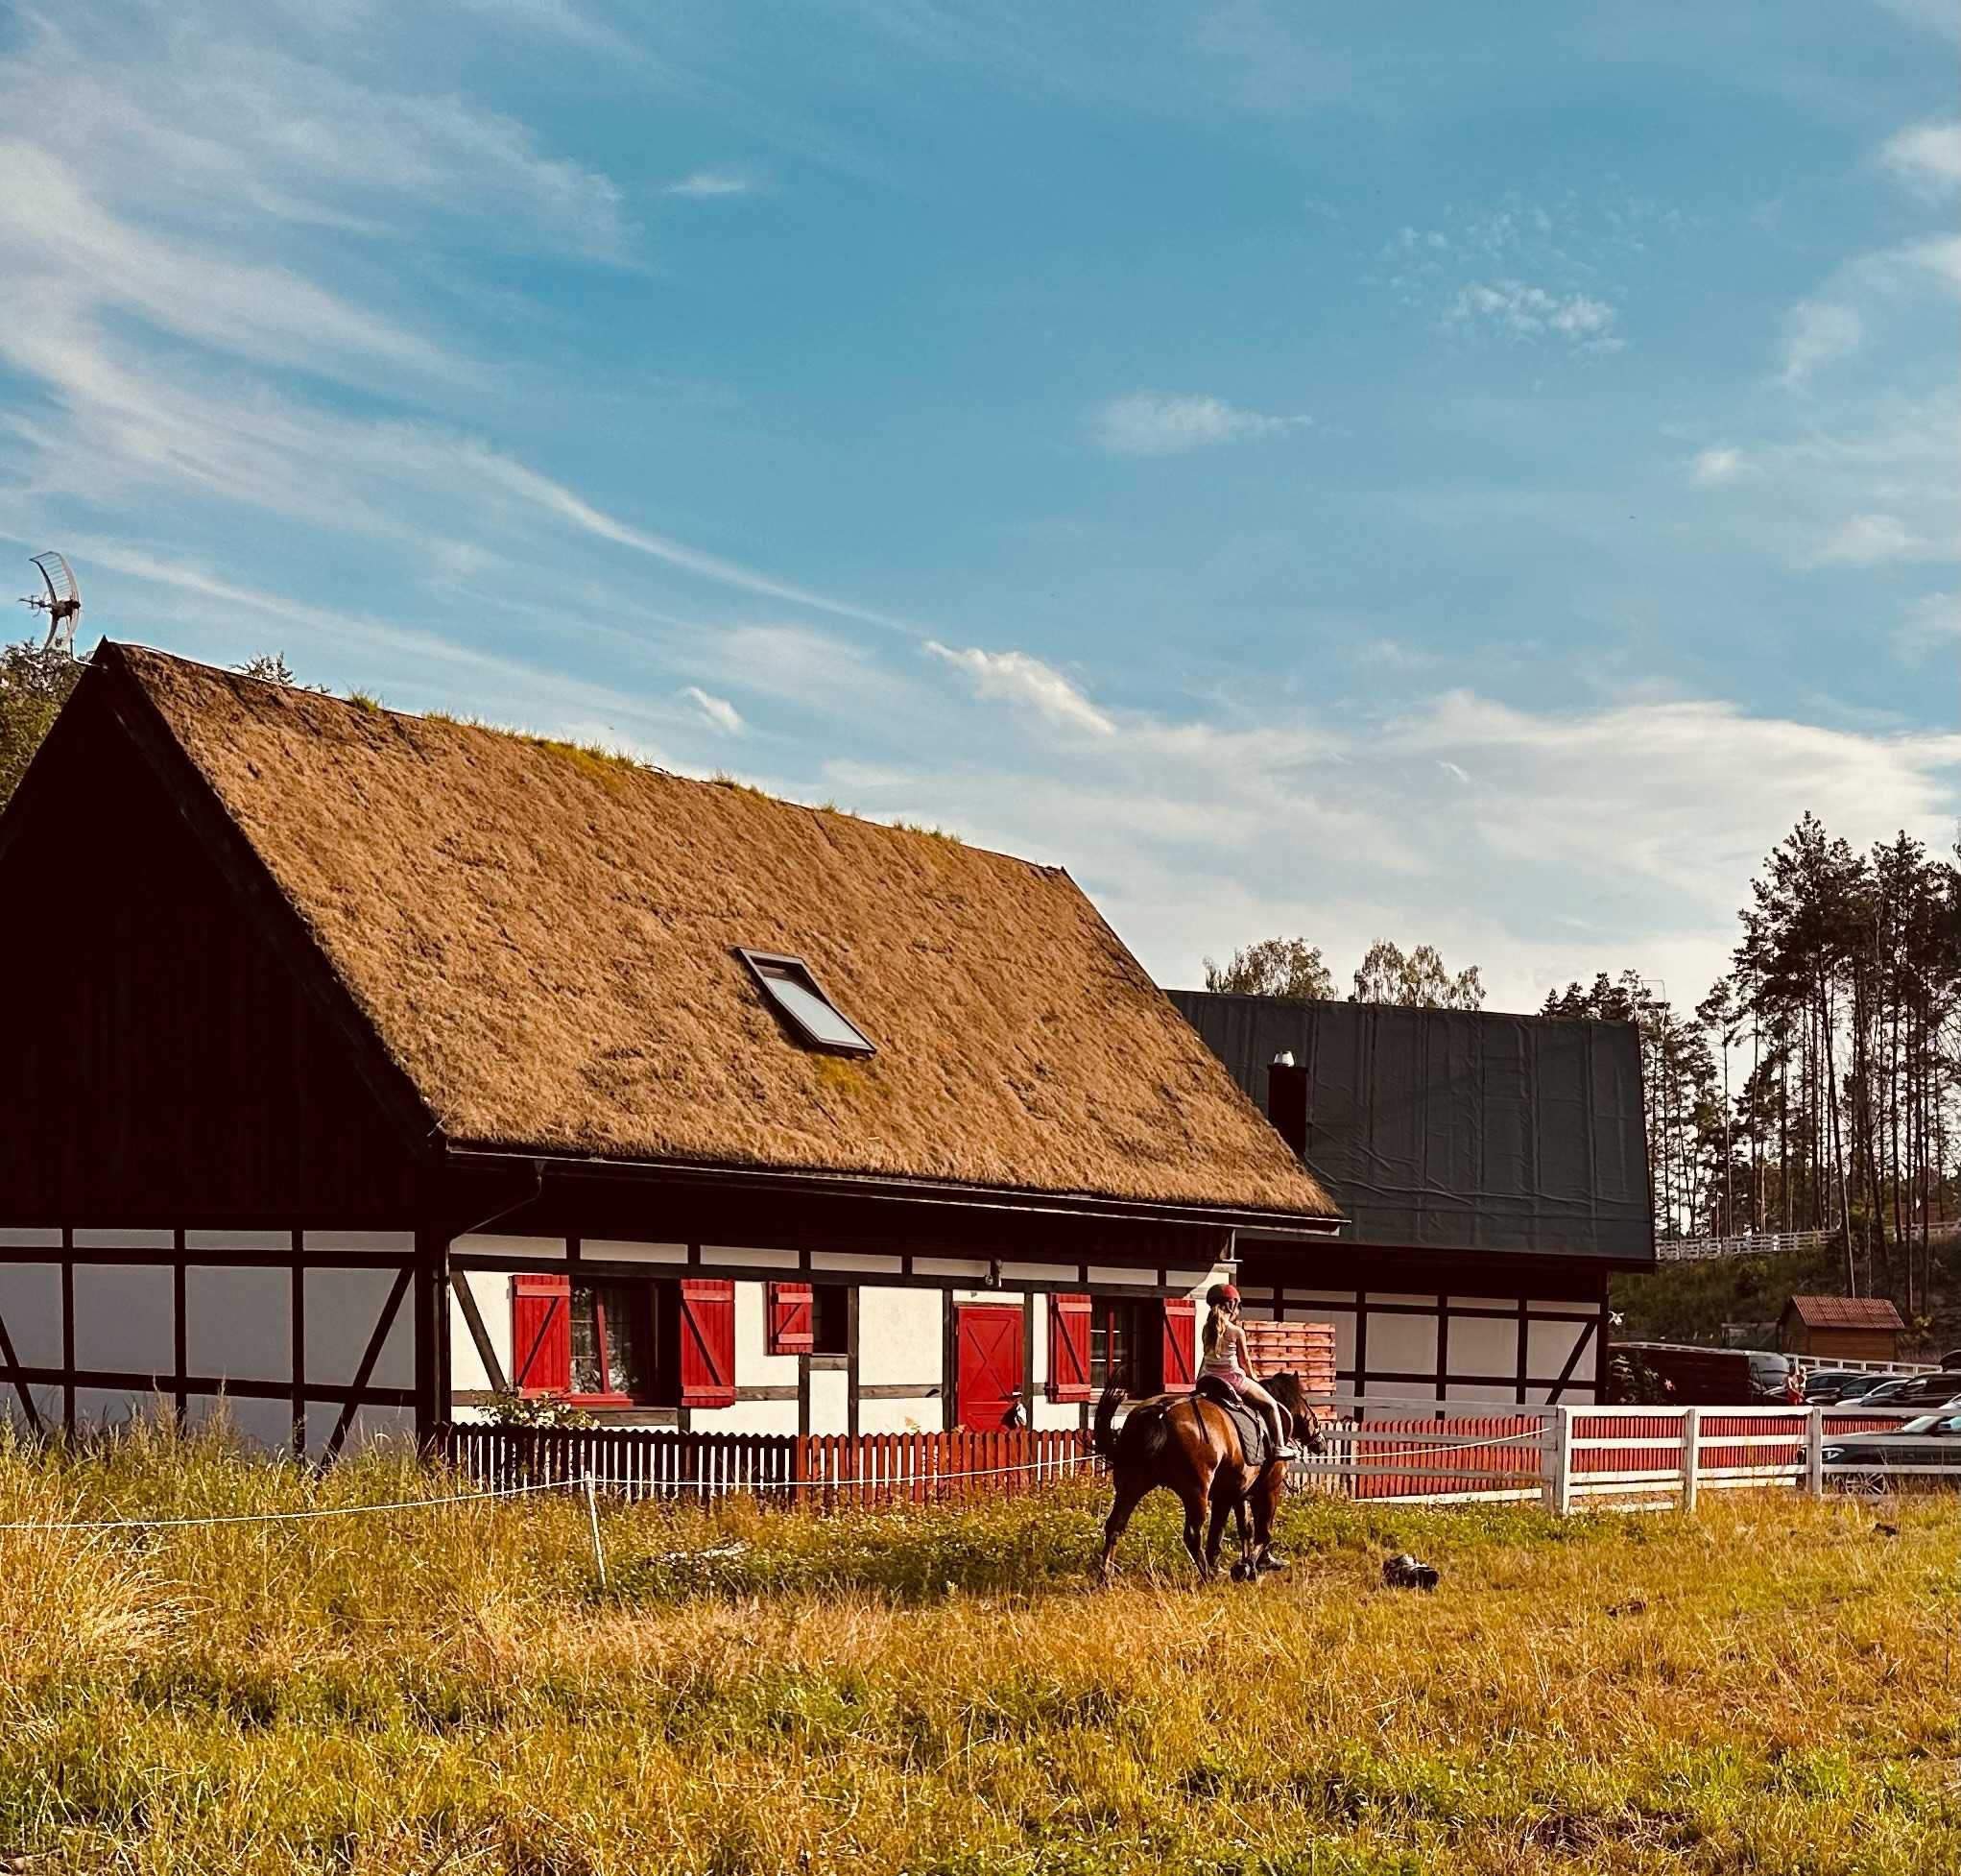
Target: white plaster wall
<point x="1481" y="1345"/>
<point x="47" y="1401"/>
<point x="492" y="1243"/>
<point x="238" y="1321"/>
<point x="1548" y="1344"/>
<point x="124" y="1318"/>
<point x="1402" y="1342"/>
<point x="104" y="1409"/>
<point x="343" y="1308"/>
<point x="30" y="1306"/>
<point x="616" y="1250"/>
<point x="1496" y="1392"/>
<point x="755" y="1365"/>
<point x="490" y="1290"/>
<point x="373" y="1427"/>
<point x="267" y="1423"/>
<point x="900" y="1334"/>
<point x="750" y="1416"/>
<point x="829" y="1403"/>
<point x="906" y="1416"/>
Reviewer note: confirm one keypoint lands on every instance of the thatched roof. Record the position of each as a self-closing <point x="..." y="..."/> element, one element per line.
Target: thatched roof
<point x="544" y="941"/>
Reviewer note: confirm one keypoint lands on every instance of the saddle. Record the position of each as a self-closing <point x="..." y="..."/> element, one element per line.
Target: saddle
<point x="1255" y="1438"/>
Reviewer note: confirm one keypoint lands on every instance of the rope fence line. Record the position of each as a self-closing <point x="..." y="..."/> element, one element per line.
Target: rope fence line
<point x="294" y="1517"/>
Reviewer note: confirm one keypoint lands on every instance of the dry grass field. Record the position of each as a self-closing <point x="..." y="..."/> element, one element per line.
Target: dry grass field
<point x="1771" y="1686"/>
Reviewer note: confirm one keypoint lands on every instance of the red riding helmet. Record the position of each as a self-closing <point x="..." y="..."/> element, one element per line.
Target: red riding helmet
<point x="1222" y="1293"/>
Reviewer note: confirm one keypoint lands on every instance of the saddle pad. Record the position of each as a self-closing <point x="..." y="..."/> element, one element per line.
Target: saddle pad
<point x="1251" y="1421"/>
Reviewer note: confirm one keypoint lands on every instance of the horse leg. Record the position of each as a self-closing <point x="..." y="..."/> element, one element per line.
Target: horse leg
<point x="1195" y="1529"/>
<point x="1246" y="1570"/>
<point x="1128" y="1495"/>
<point x="1216" y="1531"/>
<point x="1266" y="1503"/>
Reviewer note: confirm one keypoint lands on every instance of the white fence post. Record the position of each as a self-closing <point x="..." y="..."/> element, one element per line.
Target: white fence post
<point x="1814" y="1452"/>
<point x="1556" y="1460"/>
<point x="592" y="1514"/>
<point x="1691" y="1453"/>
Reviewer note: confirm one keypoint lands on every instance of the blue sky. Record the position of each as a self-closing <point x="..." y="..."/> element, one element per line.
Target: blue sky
<point x="1461" y="474"/>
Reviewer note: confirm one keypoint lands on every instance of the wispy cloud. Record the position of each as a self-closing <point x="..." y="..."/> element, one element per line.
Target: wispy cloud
<point x="1927" y="154"/>
<point x="713" y="184"/>
<point x="1819" y="332"/>
<point x="1519" y="310"/>
<point x="719" y="712"/>
<point x="1709" y="467"/>
<point x="181" y="119"/>
<point x="1161" y="424"/>
<point x="1015" y="677"/>
<point x="1867" y="540"/>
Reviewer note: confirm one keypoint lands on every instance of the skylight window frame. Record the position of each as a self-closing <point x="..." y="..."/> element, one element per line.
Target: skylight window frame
<point x="762" y="963"/>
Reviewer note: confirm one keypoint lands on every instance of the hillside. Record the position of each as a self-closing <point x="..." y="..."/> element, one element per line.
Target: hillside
<point x="1690" y="1302"/>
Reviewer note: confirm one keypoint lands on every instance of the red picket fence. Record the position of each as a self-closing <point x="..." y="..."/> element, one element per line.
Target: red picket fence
<point x="824" y="1470"/>
<point x="1429" y="1457"/>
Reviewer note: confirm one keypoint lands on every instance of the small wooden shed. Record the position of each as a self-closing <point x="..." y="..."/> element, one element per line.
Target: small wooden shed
<point x="1841" y="1327"/>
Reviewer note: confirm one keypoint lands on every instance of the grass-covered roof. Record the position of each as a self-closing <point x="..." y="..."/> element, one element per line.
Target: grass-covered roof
<point x="545" y="941"/>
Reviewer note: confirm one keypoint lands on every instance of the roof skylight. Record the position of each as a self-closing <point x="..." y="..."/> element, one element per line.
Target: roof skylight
<point x="788" y="983"/>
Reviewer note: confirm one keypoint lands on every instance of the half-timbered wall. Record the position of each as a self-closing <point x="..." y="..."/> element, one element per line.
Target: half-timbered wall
<point x="899" y="1372"/>
<point x="1446" y="1345"/>
<point x="299" y="1340"/>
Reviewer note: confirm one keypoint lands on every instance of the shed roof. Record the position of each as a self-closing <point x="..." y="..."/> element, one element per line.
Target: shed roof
<point x="547" y="942"/>
<point x="1846" y="1311"/>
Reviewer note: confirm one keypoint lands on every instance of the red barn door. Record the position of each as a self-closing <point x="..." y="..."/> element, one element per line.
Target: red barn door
<point x="988" y="1340"/>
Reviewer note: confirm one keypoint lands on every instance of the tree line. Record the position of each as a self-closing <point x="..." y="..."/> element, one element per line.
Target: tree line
<point x="1816" y="1086"/>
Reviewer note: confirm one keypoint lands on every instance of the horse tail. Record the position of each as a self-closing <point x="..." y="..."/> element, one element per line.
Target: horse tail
<point x="1103" y="1435"/>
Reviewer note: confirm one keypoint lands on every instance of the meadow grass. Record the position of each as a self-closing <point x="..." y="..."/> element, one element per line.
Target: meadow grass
<point x="1771" y="1686"/>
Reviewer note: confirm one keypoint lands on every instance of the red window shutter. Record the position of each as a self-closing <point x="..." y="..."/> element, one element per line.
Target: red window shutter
<point x="1068" y="1348"/>
<point x="707" y="1342"/>
<point x="788" y="1309"/>
<point x="540" y="1334"/>
<point x="1181" y="1335"/>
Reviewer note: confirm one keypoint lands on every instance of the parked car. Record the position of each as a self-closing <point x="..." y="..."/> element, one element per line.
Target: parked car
<point x="1770" y="1377"/>
<point x="1912" y="1391"/>
<point x="1952" y="1358"/>
<point x="1909" y="1445"/>
<point x="1823" y="1386"/>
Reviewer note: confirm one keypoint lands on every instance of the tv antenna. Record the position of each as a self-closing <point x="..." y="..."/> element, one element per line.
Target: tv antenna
<point x="63" y="603"/>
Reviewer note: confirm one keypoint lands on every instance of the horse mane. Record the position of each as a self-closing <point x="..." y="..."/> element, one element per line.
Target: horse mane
<point x="1292" y="1395"/>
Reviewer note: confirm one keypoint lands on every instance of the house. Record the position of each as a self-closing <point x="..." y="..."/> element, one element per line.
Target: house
<point x="365" y="1067"/>
<point x="1841" y="1327"/>
<point x="1493" y="1171"/>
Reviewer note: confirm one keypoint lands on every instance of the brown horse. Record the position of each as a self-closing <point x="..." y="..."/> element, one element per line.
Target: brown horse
<point x="1190" y="1444"/>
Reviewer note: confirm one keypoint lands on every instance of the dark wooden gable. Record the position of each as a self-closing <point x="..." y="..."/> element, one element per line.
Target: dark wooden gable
<point x="177" y="1052"/>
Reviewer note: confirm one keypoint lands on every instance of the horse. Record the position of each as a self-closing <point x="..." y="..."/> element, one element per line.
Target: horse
<point x="1190" y="1444"/>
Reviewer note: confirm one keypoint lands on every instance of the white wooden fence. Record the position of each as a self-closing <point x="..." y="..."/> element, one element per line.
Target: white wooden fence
<point x="1565" y="1456"/>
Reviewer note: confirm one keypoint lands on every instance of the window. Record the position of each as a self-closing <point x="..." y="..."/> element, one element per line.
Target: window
<point x="807" y="1319"/>
<point x="830" y="1319"/>
<point x="591" y="1341"/>
<point x="613" y="1342"/>
<point x="1116" y="1341"/>
<point x="800" y="999"/>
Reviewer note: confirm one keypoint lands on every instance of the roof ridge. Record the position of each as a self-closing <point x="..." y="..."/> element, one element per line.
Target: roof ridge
<point x="364" y="703"/>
